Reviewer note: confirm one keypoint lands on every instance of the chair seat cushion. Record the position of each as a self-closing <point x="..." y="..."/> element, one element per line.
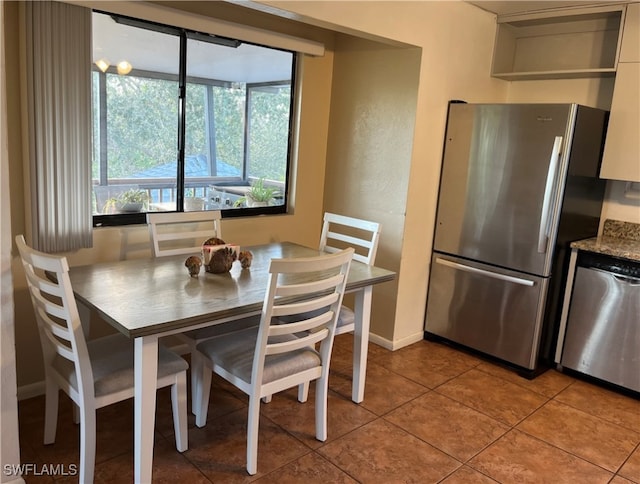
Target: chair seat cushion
<point x="235" y="351"/>
<point x="346" y="317"/>
<point x="222" y="328"/>
<point x="112" y="364"/>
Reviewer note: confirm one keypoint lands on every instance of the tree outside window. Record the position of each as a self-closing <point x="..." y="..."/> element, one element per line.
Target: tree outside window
<point x="228" y="129"/>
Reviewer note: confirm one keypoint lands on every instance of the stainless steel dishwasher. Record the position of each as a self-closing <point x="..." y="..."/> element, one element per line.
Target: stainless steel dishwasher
<point x="603" y="328"/>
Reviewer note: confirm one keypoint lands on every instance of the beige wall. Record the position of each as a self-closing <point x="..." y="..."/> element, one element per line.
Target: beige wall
<point x="302" y="225"/>
<point x="373" y="106"/>
<point x="456" y="42"/>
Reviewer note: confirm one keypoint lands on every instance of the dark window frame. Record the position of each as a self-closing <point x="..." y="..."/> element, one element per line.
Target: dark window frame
<point x="104" y="220"/>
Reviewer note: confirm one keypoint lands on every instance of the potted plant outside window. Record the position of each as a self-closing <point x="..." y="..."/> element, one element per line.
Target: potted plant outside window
<point x="132" y="200"/>
<point x="191" y="202"/>
<point x="258" y="195"/>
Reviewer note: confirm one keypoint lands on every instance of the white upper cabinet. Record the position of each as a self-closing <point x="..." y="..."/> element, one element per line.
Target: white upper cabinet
<point x="621" y="159"/>
<point x="558" y="44"/>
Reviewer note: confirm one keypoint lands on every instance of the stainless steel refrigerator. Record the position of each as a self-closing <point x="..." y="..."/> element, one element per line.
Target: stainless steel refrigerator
<point x="519" y="182"/>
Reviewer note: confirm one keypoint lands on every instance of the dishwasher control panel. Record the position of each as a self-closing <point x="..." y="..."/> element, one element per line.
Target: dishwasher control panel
<point x="615" y="265"/>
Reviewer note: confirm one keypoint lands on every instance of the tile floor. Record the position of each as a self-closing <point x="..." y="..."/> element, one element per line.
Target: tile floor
<point x="431" y="414"/>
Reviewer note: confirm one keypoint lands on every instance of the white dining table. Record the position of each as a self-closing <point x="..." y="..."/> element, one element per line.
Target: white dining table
<point x="146" y="299"/>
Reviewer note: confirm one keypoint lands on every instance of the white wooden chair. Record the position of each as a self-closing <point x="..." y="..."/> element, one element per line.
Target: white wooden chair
<point x="339" y="231"/>
<point x="182" y="233"/>
<point x="94" y="373"/>
<point x="279" y="355"/>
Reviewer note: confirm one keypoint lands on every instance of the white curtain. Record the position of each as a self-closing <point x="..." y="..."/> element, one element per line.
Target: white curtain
<point x="58" y="69"/>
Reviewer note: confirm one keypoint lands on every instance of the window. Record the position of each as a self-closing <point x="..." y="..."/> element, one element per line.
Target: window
<point x="186" y="121"/>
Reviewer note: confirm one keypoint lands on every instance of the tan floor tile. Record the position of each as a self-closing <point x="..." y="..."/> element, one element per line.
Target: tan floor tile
<point x="549" y="383"/>
<point x="31" y="410"/>
<point x="467" y="475"/>
<point x="219" y="448"/>
<point x="621" y="480"/>
<point x="611" y="406"/>
<point x="221" y="402"/>
<point x="342" y="354"/>
<point x="406" y="445"/>
<point x="298" y="419"/>
<point x="428" y="363"/>
<point x="382" y="452"/>
<point x="32" y="470"/>
<point x="519" y="458"/>
<point x="595" y="440"/>
<point x="310" y="468"/>
<point x="27" y="454"/>
<point x="448" y="425"/>
<point x="344" y="343"/>
<point x="114" y="436"/>
<point x="631" y="468"/>
<point x="343" y="358"/>
<point x="493" y="396"/>
<point x="169" y="466"/>
<point x="384" y="390"/>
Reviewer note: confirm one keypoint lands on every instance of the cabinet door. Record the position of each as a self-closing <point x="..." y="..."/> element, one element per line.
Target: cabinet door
<point x="630" y="49"/>
<point x="622" y="149"/>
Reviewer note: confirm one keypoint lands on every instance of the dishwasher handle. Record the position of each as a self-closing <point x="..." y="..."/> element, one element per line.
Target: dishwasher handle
<point x="634" y="281"/>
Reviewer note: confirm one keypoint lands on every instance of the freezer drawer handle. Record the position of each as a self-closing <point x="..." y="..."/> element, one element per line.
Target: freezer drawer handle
<point x="475" y="270"/>
<point x="548" y="191"/>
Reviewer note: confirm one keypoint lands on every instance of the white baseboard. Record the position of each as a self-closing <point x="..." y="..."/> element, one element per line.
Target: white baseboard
<point x="31" y="390"/>
<point x="396" y="344"/>
<point x="17" y="480"/>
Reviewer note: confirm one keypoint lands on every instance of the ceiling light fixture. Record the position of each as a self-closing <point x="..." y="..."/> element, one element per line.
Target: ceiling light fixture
<point x="124" y="68"/>
<point x="103" y="64"/>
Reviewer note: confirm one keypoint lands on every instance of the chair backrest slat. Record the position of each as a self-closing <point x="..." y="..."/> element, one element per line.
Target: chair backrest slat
<point x="340" y="231"/>
<point x="296" y="289"/>
<point x="304" y="306"/>
<point x="61" y="349"/>
<point x="55" y="328"/>
<point x="301" y="325"/>
<point x="309" y="292"/>
<point x="357" y="241"/>
<point x="56" y="312"/>
<point x="181" y="233"/>
<point x="49" y="307"/>
<point x="307" y="341"/>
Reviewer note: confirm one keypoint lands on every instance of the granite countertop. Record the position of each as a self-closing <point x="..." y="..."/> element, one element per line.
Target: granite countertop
<point x="618" y="239"/>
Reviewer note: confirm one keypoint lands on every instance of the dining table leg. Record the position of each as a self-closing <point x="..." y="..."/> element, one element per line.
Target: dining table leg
<point x="145" y="383"/>
<point x="362" y="310"/>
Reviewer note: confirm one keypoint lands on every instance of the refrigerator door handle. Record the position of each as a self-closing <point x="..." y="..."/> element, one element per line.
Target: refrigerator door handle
<point x="548" y="192"/>
<point x="494" y="275"/>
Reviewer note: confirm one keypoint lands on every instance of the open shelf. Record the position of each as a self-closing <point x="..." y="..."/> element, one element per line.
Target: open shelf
<point x="558" y="45"/>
